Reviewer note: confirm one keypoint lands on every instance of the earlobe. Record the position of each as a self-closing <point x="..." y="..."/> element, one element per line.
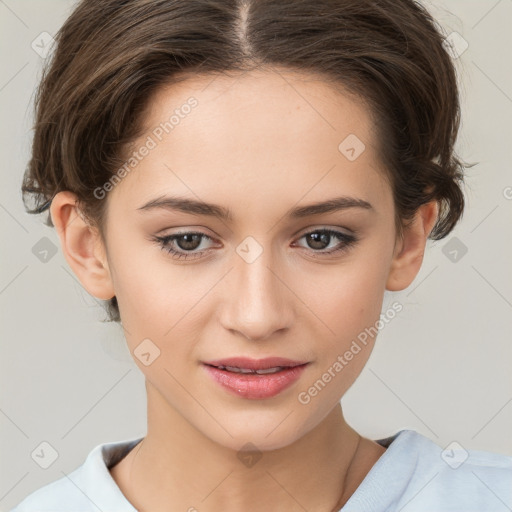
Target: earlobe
<point x="408" y="257"/>
<point x="82" y="246"/>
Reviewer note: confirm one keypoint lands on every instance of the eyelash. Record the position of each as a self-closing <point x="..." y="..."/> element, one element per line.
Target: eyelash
<point x="347" y="242"/>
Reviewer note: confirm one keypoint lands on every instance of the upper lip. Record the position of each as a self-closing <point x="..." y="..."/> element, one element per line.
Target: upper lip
<point x="255" y="364"/>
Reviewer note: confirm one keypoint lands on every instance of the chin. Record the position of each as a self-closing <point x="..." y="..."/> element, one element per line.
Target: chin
<point x="266" y="431"/>
<point x="254" y="440"/>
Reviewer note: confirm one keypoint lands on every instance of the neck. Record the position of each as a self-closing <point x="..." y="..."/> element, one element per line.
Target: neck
<point x="175" y="463"/>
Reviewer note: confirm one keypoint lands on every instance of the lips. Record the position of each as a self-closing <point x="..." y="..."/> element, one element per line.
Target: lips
<point x="255" y="379"/>
<point x="245" y="363"/>
<point x="260" y="371"/>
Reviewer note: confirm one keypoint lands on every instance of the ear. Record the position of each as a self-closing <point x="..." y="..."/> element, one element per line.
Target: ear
<point x="410" y="249"/>
<point x="82" y="246"/>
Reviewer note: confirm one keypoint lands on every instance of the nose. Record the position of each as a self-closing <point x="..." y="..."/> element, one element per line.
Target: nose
<point x="257" y="302"/>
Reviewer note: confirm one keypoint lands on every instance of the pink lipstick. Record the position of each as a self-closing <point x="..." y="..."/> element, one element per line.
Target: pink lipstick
<point x="255" y="379"/>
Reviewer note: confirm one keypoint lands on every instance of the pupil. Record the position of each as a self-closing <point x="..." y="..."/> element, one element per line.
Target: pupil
<point x="319" y="238"/>
<point x="187" y="241"/>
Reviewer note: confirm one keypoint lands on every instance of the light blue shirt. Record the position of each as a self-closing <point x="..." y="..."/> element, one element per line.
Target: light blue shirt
<point x="413" y="475"/>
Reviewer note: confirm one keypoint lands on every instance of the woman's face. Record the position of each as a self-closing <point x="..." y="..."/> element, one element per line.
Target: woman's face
<point x="265" y="281"/>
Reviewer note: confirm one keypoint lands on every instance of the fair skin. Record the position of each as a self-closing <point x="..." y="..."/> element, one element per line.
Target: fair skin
<point x="260" y="145"/>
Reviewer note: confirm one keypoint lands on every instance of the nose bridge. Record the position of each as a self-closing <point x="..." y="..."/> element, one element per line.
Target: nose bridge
<point x="258" y="301"/>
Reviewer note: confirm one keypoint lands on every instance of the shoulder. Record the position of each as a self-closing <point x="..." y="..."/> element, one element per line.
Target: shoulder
<point x="453" y="478"/>
<point x="476" y="480"/>
<point x="88" y="488"/>
<point x="54" y="497"/>
<point x="417" y="475"/>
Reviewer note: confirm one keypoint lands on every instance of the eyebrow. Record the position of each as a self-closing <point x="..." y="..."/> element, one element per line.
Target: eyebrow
<point x="194" y="207"/>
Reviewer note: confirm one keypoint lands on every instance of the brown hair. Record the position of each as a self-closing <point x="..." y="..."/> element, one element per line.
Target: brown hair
<point x="111" y="55"/>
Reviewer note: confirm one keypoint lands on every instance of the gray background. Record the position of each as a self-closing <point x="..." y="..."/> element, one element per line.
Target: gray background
<point x="441" y="367"/>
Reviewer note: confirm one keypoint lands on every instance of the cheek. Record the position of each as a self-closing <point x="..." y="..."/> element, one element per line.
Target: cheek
<point x="160" y="300"/>
<point x="349" y="303"/>
<point x="348" y="300"/>
<point x="347" y="297"/>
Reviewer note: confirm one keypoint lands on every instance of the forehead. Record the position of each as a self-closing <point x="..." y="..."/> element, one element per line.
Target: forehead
<point x="265" y="95"/>
<point x="251" y="132"/>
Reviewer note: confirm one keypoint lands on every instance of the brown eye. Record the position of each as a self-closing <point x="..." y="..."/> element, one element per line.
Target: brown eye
<point x="188" y="242"/>
<point x="183" y="245"/>
<point x="320" y="239"/>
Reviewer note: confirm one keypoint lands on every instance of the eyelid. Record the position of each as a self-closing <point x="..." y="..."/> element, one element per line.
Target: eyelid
<point x="165" y="244"/>
<point x="191" y="231"/>
<point x="346" y="242"/>
<point x="325" y="227"/>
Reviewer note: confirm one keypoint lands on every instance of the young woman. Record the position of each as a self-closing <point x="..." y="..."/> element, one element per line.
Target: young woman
<point x="242" y="181"/>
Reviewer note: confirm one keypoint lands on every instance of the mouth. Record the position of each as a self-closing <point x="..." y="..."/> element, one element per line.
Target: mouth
<point x="260" y="366"/>
<point x="261" y="371"/>
<point x="255" y="379"/>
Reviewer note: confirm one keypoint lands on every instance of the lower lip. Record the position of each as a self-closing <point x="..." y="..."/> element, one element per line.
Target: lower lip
<point x="254" y="386"/>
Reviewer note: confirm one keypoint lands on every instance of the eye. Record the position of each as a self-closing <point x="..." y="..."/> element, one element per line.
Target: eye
<point x="186" y="243"/>
<point x="322" y="238"/>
